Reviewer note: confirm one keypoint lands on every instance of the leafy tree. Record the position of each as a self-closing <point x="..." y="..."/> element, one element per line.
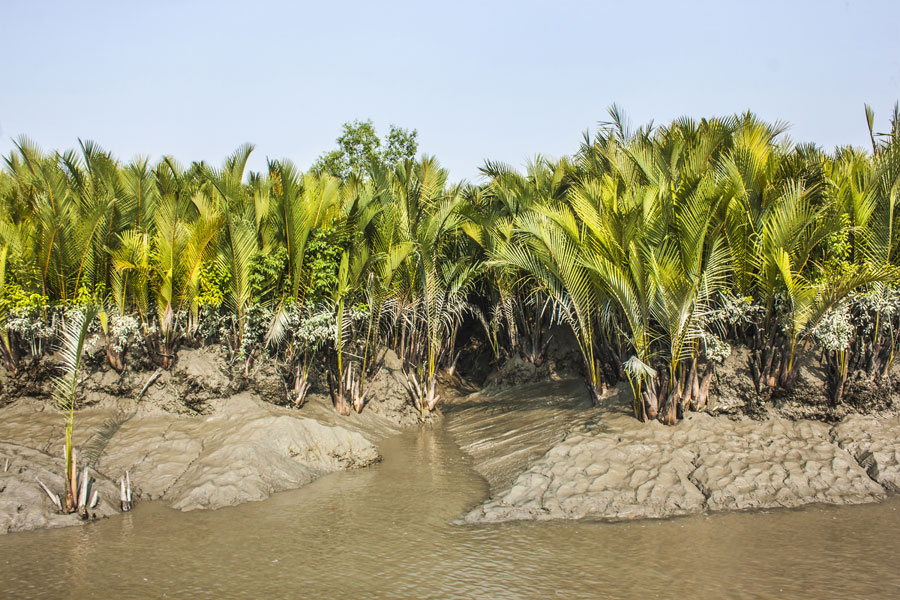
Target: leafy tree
<point x="401" y="144"/>
<point x="360" y="150"/>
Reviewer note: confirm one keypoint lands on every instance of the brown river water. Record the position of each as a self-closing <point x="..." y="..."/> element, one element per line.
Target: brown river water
<point x="388" y="532"/>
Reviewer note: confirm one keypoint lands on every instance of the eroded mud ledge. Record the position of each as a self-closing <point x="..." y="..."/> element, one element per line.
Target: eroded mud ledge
<point x="612" y="467"/>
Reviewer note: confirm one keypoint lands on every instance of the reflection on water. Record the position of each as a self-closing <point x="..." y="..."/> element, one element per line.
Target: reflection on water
<point x="385" y="532"/>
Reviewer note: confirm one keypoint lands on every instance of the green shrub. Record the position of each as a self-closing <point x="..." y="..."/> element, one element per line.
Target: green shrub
<point x="268" y="276"/>
<point x="323" y="259"/>
<point x="213" y="280"/>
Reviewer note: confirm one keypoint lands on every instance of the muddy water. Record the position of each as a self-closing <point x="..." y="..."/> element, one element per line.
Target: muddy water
<point x="386" y="532"/>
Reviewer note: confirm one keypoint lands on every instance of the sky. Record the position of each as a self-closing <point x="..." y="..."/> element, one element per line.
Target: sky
<point x="479" y="80"/>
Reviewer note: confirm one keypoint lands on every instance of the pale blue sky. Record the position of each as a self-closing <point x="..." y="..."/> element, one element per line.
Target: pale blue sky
<point x="498" y="80"/>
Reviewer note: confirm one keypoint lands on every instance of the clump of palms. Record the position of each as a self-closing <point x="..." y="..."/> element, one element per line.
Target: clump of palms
<point x="657" y="246"/>
<point x="655" y="225"/>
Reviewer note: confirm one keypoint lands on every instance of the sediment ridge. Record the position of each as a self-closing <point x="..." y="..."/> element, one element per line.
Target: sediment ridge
<point x="240" y="448"/>
<point x="245" y="450"/>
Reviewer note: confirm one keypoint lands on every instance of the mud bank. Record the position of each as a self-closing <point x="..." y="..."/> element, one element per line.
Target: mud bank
<point x="240" y="448"/>
<point x="616" y="468"/>
<point x="505" y="430"/>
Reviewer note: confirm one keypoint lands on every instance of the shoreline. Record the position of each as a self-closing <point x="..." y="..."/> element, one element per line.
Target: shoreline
<point x="405" y="506"/>
<point x="196" y="437"/>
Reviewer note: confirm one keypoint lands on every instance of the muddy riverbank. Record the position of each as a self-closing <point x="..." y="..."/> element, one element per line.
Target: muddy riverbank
<point x="543" y="450"/>
<point x="611" y="467"/>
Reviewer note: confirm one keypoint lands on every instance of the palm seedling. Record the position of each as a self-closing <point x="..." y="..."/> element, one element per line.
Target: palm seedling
<point x="65" y="392"/>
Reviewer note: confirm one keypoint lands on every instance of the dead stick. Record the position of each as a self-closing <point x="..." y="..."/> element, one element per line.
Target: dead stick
<point x="83" y="492"/>
<point x="53" y="497"/>
<point x="150" y="381"/>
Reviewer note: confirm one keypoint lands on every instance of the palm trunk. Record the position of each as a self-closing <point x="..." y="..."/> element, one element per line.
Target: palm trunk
<point x="702" y="397"/>
<point x="116" y="359"/>
<point x="656" y="389"/>
<point x="9" y="360"/>
<point x="301" y="382"/>
<point x="70" y="468"/>
<point x="695" y="385"/>
<point x="668" y="415"/>
<point x="649" y="404"/>
<point x="358" y="389"/>
<point x="432" y="397"/>
<point x="338" y="393"/>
